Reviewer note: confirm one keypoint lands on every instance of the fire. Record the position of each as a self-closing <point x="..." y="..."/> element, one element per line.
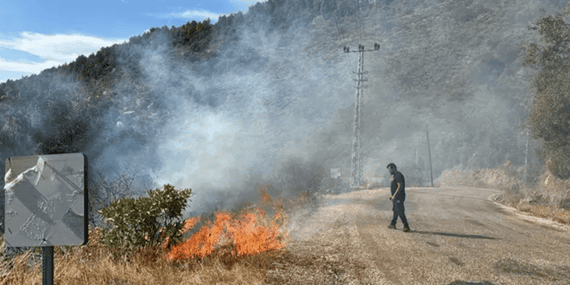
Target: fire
<point x="247" y="235"/>
<point x="251" y="239"/>
<point x="190" y="223"/>
<point x="265" y="197"/>
<point x="202" y="243"/>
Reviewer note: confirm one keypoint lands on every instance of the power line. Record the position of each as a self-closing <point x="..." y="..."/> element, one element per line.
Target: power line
<point x="358" y="21"/>
<point x="356" y="161"/>
<point x="375" y="15"/>
<point x="336" y="22"/>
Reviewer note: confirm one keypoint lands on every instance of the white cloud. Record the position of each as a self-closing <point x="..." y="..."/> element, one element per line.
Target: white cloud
<point x="54" y="49"/>
<point x="196" y="14"/>
<point x="244" y="4"/>
<point x="248" y="2"/>
<point x="191" y="14"/>
<point x="30" y="67"/>
<point x="202" y="14"/>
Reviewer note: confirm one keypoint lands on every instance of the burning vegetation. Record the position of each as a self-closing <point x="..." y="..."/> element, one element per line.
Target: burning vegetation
<point x="250" y="233"/>
<point x="233" y="248"/>
<point x="246" y="235"/>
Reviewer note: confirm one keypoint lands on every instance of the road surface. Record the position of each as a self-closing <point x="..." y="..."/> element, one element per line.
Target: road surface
<point x="458" y="236"/>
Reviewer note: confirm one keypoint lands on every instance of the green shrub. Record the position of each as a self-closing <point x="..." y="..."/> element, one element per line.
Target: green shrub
<point x="134" y="219"/>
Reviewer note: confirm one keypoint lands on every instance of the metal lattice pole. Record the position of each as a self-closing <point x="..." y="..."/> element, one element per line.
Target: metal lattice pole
<point x="356" y="165"/>
<point x="356" y="160"/>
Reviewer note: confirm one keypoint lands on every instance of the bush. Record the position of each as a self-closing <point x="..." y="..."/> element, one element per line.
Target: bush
<point x="135" y="223"/>
<point x="106" y="189"/>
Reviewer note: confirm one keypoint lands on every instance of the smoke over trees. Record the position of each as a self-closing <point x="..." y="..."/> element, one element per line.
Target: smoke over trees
<point x="550" y="119"/>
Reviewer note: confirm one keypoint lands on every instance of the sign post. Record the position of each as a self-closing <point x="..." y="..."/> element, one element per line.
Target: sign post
<point x="46" y="204"/>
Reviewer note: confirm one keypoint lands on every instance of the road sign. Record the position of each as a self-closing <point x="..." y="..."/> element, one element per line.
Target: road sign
<point x="335" y="172"/>
<point x="46" y="203"/>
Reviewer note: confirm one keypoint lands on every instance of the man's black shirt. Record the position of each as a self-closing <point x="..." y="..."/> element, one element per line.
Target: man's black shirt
<point x="398" y="177"/>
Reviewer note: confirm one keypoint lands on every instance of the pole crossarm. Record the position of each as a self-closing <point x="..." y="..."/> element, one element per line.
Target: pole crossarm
<point x="356" y="161"/>
<point x="361" y="48"/>
<point x="347" y="51"/>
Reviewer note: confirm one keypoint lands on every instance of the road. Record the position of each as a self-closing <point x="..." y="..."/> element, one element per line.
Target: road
<point x="458" y="236"/>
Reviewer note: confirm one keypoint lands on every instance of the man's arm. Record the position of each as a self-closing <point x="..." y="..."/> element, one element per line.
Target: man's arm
<point x="397" y="190"/>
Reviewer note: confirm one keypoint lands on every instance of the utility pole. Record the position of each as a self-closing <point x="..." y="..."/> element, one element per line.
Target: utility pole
<point x="526" y="152"/>
<point x="429" y="153"/>
<point x="356" y="162"/>
<point x="417" y="151"/>
<point x="526" y="159"/>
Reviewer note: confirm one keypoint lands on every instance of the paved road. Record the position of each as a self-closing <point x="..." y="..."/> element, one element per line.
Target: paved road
<point x="459" y="236"/>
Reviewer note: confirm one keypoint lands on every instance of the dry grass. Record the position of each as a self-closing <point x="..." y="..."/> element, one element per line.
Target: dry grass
<point x="504" y="177"/>
<point x="95" y="263"/>
<point x="545" y="211"/>
<point x="549" y="199"/>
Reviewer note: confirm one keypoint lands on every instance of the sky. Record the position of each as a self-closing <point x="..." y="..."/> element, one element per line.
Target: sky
<point x="38" y="35"/>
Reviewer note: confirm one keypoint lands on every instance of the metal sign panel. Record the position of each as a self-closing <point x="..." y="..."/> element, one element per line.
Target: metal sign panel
<point x="335" y="172"/>
<point x="46" y="200"/>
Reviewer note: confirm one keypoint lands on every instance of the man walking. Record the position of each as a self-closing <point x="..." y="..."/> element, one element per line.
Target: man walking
<point x="398" y="189"/>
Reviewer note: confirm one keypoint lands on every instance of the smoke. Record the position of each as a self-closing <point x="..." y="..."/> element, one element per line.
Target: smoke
<point x="237" y="116"/>
<point x="283" y="89"/>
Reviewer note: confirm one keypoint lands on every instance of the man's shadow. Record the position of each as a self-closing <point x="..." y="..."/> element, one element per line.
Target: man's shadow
<point x="453" y="235"/>
<point x="470" y="283"/>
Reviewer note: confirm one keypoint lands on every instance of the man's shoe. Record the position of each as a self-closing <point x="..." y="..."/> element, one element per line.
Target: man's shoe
<point x="406" y="229"/>
<point x="392" y="227"/>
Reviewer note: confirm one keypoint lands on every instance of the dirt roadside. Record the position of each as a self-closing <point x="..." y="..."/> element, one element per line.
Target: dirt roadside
<point x="459" y="236"/>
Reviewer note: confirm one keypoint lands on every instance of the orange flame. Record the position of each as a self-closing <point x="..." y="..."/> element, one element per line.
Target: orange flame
<point x="263" y="192"/>
<point x="190" y="223"/>
<point x="251" y="239"/>
<point x="246" y="235"/>
<point x="202" y="243"/>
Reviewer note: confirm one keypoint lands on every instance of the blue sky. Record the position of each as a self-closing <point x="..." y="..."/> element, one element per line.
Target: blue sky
<point x="38" y="35"/>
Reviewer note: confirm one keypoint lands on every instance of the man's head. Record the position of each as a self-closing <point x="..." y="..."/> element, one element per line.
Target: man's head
<point x="391" y="168"/>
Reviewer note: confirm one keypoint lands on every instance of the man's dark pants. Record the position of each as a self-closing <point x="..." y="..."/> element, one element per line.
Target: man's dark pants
<point x="398" y="209"/>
